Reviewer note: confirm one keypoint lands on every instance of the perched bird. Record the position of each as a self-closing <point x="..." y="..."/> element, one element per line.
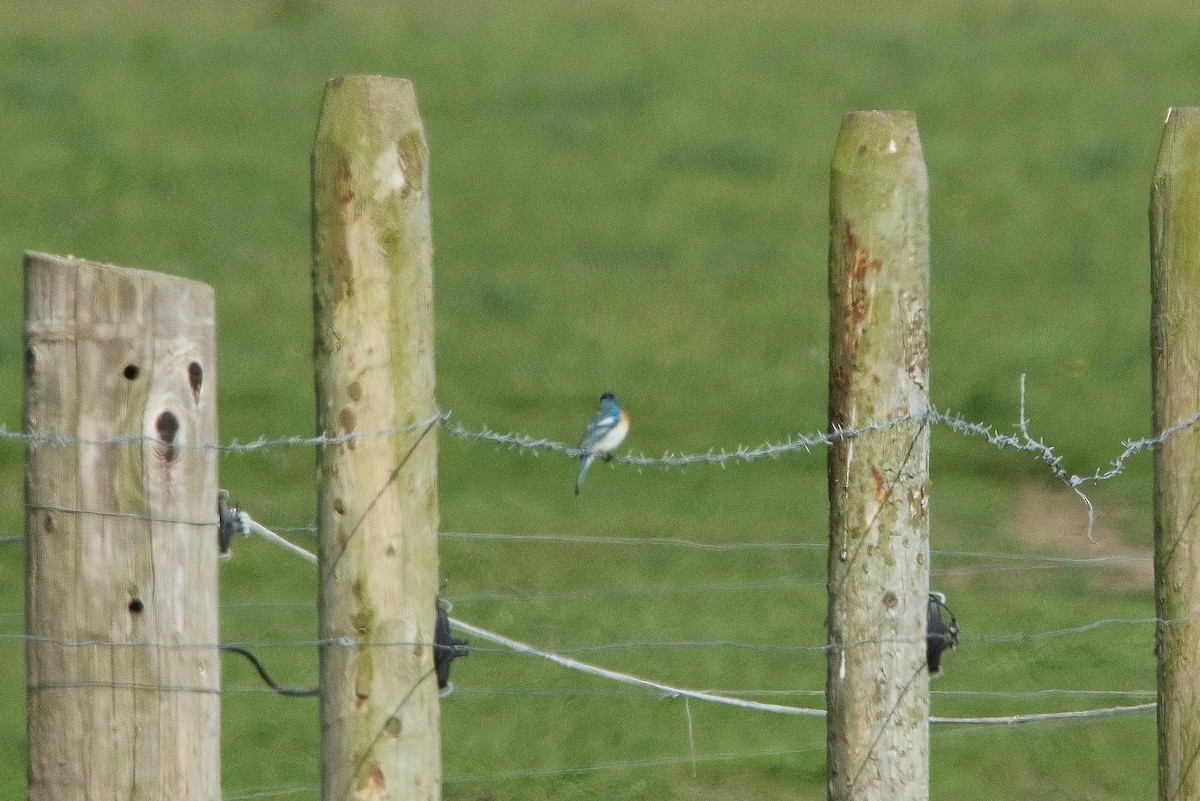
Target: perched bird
<point x="604" y="433"/>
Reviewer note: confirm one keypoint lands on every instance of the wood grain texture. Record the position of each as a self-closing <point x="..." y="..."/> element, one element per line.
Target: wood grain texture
<point x="121" y="537"/>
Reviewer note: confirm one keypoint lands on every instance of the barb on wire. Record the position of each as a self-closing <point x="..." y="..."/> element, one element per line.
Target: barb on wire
<point x="233" y="446"/>
<point x="1022" y="440"/>
<point x="1025" y="442"/>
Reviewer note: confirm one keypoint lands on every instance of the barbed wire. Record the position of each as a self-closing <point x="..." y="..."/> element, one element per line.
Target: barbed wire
<point x="1022" y="440"/>
<point x="234" y="446"/>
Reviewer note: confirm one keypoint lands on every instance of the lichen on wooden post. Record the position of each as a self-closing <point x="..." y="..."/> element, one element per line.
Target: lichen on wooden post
<point x="877" y="689"/>
<point x="1175" y="373"/>
<point x="377" y="494"/>
<point x="122" y="668"/>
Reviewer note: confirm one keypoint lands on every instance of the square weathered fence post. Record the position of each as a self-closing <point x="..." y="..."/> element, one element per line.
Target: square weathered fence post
<point x="377" y="494"/>
<point x="122" y="668"/>
<point x="877" y="686"/>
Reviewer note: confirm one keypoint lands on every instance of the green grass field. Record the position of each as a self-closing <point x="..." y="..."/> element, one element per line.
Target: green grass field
<point x="633" y="197"/>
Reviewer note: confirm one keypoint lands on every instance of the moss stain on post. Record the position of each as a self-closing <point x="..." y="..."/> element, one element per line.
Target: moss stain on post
<point x="878" y="694"/>
<point x="377" y="496"/>
<point x="1175" y="372"/>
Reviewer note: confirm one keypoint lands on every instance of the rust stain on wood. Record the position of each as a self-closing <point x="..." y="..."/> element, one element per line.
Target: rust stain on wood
<point x="858" y="302"/>
<point x="374" y="785"/>
<point x="880" y="485"/>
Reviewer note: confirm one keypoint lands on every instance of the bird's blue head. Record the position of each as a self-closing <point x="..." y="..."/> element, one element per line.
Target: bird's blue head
<point x="608" y="402"/>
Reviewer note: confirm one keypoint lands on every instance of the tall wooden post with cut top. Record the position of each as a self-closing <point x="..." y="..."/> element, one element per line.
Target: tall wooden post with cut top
<point x="877" y="688"/>
<point x="377" y="493"/>
<point x="1175" y="373"/>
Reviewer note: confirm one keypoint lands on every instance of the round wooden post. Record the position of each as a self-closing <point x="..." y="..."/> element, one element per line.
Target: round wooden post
<point x="1175" y="372"/>
<point x="377" y="495"/>
<point x="877" y="688"/>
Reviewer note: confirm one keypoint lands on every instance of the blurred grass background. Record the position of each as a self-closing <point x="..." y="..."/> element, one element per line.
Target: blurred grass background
<point x="634" y="198"/>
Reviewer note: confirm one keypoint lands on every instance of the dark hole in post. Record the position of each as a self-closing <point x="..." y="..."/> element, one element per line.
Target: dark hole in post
<point x="136" y="606"/>
<point x="167" y="425"/>
<point x="195" y="378"/>
<point x="131" y="371"/>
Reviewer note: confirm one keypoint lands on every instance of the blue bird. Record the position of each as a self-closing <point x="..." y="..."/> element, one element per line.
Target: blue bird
<point x="604" y="433"/>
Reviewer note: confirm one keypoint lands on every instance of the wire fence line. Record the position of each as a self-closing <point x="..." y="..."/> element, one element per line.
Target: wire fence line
<point x="562" y="692"/>
<point x="560" y="655"/>
<point x="1022" y="440"/>
<point x="668" y="691"/>
<point x="941" y="734"/>
<point x="1010" y="562"/>
<point x="630" y="645"/>
<point x="551" y="773"/>
<point x="579" y="692"/>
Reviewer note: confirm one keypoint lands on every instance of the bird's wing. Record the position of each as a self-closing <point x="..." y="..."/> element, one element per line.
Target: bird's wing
<point x="600" y="425"/>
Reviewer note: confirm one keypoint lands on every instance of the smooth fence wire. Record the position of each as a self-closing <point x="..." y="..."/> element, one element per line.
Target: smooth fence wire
<point x="498" y="777"/>
<point x="1017" y="637"/>
<point x="943" y="734"/>
<point x="559" y="656"/>
<point x="661" y="689"/>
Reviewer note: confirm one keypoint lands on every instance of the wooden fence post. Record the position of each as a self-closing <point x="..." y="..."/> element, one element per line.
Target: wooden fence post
<point x="877" y="688"/>
<point x="377" y="495"/>
<point x="122" y="667"/>
<point x="1175" y="371"/>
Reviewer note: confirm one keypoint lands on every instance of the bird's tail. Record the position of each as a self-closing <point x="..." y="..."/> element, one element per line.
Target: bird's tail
<point x="584" y="463"/>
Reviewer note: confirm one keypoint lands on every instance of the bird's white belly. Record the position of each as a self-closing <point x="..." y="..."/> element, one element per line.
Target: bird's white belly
<point x="613" y="438"/>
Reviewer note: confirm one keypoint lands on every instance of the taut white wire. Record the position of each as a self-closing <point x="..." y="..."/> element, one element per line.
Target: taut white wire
<point x="272" y="537"/>
<point x="667" y="691"/>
